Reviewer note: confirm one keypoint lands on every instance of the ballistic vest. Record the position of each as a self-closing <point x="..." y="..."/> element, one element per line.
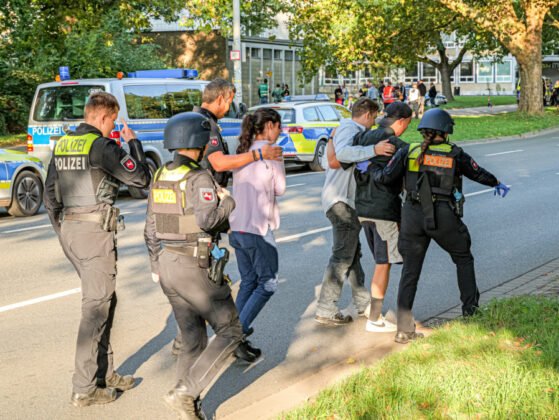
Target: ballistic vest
<point x="174" y="215"/>
<point x="79" y="184"/>
<point x="439" y="165"/>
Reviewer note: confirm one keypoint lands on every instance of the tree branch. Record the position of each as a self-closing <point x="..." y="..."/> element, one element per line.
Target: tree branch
<point x="427" y="60"/>
<point x="458" y="58"/>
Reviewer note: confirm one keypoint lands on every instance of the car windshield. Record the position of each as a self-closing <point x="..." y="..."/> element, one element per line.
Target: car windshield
<point x="63" y="103"/>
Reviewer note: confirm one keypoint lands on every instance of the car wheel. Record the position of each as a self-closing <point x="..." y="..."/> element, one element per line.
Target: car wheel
<point x="27" y="195"/>
<point x="315" y="165"/>
<point x="141" y="193"/>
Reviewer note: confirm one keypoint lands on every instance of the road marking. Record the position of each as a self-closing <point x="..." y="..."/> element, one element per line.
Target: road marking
<point x="295" y="185"/>
<point x="44" y="226"/>
<point x="504" y="153"/>
<point x="304" y="173"/>
<point x="40" y="299"/>
<point x="300" y="235"/>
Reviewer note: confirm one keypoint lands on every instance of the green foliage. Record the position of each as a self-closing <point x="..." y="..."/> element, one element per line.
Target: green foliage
<point x="502" y="363"/>
<point x="93" y="38"/>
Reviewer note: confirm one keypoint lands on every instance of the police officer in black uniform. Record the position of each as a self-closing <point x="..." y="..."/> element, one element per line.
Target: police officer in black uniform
<point x="186" y="212"/>
<point x="82" y="184"/>
<point x="433" y="207"/>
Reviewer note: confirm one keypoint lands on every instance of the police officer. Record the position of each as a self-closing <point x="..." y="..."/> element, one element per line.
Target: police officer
<point x="82" y="184"/>
<point x="186" y="212"/>
<point x="432" y="172"/>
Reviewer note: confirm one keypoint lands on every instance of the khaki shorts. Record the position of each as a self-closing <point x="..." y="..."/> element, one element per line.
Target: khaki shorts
<point x="382" y="237"/>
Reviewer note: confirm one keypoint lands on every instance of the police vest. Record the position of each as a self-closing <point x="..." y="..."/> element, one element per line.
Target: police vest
<point x="79" y="184"/>
<point x="388" y="94"/>
<point x="439" y="165"/>
<point x="174" y="215"/>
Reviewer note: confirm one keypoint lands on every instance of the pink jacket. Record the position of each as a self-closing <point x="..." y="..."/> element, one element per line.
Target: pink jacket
<point x="255" y="187"/>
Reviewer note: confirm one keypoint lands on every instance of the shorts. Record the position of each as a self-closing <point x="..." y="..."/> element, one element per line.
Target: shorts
<point x="382" y="237"/>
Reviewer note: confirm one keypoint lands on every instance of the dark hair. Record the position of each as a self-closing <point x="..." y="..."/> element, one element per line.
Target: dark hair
<point x="394" y="112"/>
<point x="265" y="80"/>
<point x="254" y="124"/>
<point x="429" y="136"/>
<point x="217" y="88"/>
<point x="101" y="100"/>
<point x="362" y="106"/>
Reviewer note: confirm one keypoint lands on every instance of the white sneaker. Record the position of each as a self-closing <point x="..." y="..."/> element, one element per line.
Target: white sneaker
<point x="382" y="325"/>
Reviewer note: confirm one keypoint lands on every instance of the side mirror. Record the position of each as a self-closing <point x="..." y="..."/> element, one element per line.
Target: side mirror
<point x="242" y="110"/>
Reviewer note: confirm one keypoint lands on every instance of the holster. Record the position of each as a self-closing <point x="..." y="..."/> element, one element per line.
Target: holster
<point x="426" y="200"/>
<point x="217" y="267"/>
<point x="112" y="220"/>
<point x="204" y="248"/>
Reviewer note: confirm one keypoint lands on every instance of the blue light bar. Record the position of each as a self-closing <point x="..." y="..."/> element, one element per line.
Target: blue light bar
<point x="165" y="74"/>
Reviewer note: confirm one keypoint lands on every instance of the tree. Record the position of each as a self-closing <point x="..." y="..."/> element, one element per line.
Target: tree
<point x="519" y="27"/>
<point x="347" y="34"/>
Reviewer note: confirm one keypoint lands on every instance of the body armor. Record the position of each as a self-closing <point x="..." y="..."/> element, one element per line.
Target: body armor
<point x="79" y="184"/>
<point x="174" y="216"/>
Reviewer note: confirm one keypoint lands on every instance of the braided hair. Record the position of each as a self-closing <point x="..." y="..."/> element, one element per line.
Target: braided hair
<point x="429" y="135"/>
<point x="254" y="124"/>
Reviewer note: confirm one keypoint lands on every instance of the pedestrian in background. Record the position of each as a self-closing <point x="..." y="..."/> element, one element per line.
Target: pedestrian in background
<point x="286" y="94"/>
<point x="263" y="91"/>
<point x="388" y="93"/>
<point x="277" y="94"/>
<point x="381" y="96"/>
<point x="338" y="201"/>
<point x="255" y="188"/>
<point x="345" y="92"/>
<point x="372" y="92"/>
<point x="363" y="90"/>
<point x="413" y="100"/>
<point x="79" y="200"/>
<point x="422" y="93"/>
<point x="402" y="90"/>
<point x="432" y="94"/>
<point x="338" y="95"/>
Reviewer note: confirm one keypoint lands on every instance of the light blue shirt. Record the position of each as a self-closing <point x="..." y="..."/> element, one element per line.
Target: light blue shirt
<point x="340" y="184"/>
<point x="372" y="93"/>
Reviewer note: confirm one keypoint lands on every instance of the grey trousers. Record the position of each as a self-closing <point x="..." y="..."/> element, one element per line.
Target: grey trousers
<point x="92" y="251"/>
<point x="195" y="299"/>
<point x="344" y="262"/>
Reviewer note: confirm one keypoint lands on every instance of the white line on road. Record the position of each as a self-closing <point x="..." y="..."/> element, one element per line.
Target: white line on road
<point x="295" y="185"/>
<point x="40" y="299"/>
<point x="300" y="235"/>
<point x="304" y="173"/>
<point x="504" y="153"/>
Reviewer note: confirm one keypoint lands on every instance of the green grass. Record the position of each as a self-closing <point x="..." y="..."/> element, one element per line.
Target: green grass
<point x="501" y="364"/>
<point x="474" y="101"/>
<point x="500" y="125"/>
<point x="13" y="140"/>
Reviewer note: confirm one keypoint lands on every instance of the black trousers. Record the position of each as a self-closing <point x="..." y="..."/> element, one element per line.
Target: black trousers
<point x="452" y="235"/>
<point x="195" y="299"/>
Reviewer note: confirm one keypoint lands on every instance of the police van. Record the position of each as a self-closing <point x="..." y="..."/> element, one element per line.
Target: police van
<point x="147" y="100"/>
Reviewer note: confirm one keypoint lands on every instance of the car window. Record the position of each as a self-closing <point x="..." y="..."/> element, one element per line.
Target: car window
<point x="342" y="111"/>
<point x="310" y="114"/>
<point x="160" y="101"/>
<point x="328" y="113"/>
<point x="287" y="115"/>
<point x="63" y="103"/>
<point x="183" y="98"/>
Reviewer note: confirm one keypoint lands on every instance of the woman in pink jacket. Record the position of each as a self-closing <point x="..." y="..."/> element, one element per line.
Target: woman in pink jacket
<point x="256" y="215"/>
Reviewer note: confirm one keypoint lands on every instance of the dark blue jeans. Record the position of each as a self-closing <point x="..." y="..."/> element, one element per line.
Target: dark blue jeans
<point x="257" y="260"/>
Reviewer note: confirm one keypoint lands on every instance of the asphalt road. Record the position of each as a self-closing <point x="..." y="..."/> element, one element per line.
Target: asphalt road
<point x="510" y="236"/>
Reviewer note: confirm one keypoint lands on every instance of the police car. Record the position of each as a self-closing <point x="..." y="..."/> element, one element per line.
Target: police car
<point x="147" y="100"/>
<point x="22" y="179"/>
<point x="307" y="122"/>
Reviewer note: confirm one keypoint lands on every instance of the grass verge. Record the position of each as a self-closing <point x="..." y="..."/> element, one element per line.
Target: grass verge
<point x="503" y="363"/>
<point x="13" y="140"/>
<point x="474" y="101"/>
<point x="500" y="125"/>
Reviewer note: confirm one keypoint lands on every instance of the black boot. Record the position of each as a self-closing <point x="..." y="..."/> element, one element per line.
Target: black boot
<point x="97" y="396"/>
<point x="256" y="351"/>
<point x="243" y="352"/>
<point x="178" y="400"/>
<point x="404" y="337"/>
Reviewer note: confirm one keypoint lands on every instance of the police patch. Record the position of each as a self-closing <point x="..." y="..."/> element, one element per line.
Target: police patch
<point x="128" y="163"/>
<point x="213" y="141"/>
<point x="207" y="194"/>
<point x="474" y="165"/>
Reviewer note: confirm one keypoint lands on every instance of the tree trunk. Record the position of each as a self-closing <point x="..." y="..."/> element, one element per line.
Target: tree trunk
<point x="445" y="80"/>
<point x="529" y="59"/>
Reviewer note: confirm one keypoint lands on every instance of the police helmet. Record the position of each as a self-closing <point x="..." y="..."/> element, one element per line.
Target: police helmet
<point x="187" y="130"/>
<point x="437" y="119"/>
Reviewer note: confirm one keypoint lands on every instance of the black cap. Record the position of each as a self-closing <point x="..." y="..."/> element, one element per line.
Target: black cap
<point x="394" y="112"/>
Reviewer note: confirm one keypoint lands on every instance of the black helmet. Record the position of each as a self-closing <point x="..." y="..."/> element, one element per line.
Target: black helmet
<point x="187" y="130"/>
<point x="437" y="119"/>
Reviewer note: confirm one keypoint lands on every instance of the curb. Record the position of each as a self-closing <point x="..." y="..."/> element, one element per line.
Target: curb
<point x="550" y="130"/>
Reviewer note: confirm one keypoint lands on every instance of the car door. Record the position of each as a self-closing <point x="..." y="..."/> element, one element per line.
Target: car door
<point x="5" y="183"/>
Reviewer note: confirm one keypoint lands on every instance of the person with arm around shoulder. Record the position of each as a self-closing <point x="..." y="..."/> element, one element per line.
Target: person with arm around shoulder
<point x="255" y="188"/>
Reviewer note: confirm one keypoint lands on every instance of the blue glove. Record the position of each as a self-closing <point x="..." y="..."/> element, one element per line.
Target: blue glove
<point x="362" y="166"/>
<point x="501" y="188"/>
<point x="218" y="253"/>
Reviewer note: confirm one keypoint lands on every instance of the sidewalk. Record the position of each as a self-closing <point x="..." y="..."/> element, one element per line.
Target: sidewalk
<point x="280" y="391"/>
<point x="482" y="110"/>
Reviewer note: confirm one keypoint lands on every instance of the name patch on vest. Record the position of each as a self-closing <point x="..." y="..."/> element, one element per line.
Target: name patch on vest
<point x="439" y="161"/>
<point x="164" y="196"/>
<point x="71" y="146"/>
<point x="71" y="163"/>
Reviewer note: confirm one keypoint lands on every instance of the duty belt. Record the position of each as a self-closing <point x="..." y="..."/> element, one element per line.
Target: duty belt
<point x="189" y="251"/>
<point x="414" y="197"/>
<point x="109" y="220"/>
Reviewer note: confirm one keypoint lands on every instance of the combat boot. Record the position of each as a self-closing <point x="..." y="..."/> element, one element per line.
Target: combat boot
<point x="178" y="400"/>
<point x="404" y="337"/>
<point x="243" y="352"/>
<point x="120" y="383"/>
<point x="97" y="396"/>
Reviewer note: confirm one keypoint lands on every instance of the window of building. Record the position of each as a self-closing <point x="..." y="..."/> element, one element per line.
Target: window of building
<point x="412" y="75"/>
<point x="467" y="72"/>
<point x="277" y="54"/>
<point x="350" y="78"/>
<point x="504" y="71"/>
<point x="429" y="73"/>
<point x="255" y="52"/>
<point x="310" y="114"/>
<point x="267" y="54"/>
<point x="329" y="78"/>
<point x="449" y="40"/>
<point x="484" y="72"/>
<point x="288" y="55"/>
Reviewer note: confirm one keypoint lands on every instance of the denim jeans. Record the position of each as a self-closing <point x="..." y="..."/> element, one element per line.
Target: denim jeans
<point x="257" y="260"/>
<point x="345" y="261"/>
